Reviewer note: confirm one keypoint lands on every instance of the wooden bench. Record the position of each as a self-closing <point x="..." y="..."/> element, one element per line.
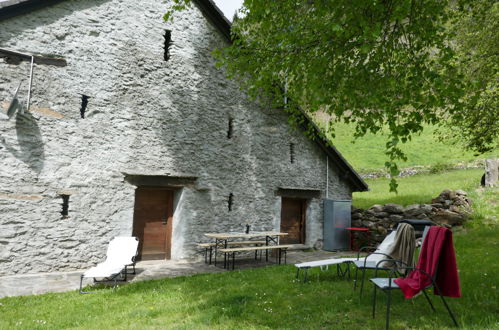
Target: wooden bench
<point x="228" y="251"/>
<point x="208" y="247"/>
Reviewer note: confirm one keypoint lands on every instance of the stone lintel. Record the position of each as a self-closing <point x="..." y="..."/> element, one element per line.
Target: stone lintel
<point x="175" y="181"/>
<point x="66" y="192"/>
<point x="20" y="197"/>
<point x="298" y="192"/>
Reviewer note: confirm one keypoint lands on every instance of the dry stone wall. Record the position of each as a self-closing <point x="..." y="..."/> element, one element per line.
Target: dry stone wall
<point x="450" y="208"/>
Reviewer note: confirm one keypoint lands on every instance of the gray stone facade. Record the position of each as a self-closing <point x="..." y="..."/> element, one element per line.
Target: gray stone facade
<point x="145" y="116"/>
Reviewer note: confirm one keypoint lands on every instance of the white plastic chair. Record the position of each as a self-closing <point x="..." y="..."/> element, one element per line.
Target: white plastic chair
<point x="121" y="253"/>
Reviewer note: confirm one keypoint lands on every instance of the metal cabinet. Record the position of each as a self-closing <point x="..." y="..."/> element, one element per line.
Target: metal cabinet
<point x="337" y="217"/>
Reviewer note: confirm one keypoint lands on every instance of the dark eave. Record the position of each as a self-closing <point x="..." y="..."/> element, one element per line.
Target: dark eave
<point x="213" y="13"/>
<point x="13" y="8"/>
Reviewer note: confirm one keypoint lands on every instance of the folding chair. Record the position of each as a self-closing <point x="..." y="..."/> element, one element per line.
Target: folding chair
<point x="370" y="261"/>
<point x="421" y="277"/>
<point x="121" y="253"/>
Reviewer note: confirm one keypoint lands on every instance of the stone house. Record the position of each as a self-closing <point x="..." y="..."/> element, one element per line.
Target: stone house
<point x="133" y="130"/>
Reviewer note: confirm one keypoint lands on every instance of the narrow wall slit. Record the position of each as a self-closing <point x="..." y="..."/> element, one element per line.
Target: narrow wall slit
<point x="168" y="42"/>
<point x="230" y="201"/>
<point x="230" y="129"/>
<point x="291" y="153"/>
<point x="84" y="104"/>
<point x="65" y="206"/>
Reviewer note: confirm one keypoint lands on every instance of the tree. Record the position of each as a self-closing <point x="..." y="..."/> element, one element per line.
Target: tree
<point x="476" y="41"/>
<point x="375" y="63"/>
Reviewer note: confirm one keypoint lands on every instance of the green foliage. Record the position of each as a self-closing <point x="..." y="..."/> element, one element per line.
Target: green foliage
<point x="476" y="42"/>
<point x="175" y="5"/>
<point x="374" y="64"/>
<point x="267" y="298"/>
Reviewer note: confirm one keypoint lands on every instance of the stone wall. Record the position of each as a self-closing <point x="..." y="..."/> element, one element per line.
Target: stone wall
<point x="450" y="208"/>
<point x="145" y="116"/>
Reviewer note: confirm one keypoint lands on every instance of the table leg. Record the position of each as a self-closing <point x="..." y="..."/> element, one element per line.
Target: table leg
<point x="266" y="250"/>
<point x="216" y="250"/>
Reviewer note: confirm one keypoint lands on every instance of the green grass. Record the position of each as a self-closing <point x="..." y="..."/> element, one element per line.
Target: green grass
<point x="485" y="207"/>
<point x="266" y="298"/>
<point x="367" y="153"/>
<point x="417" y="189"/>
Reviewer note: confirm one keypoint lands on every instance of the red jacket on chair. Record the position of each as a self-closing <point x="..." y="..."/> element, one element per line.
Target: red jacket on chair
<point x="436" y="257"/>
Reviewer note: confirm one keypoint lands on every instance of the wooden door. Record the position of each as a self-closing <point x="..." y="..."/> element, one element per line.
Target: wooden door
<point x="293" y="214"/>
<point x="152" y="222"/>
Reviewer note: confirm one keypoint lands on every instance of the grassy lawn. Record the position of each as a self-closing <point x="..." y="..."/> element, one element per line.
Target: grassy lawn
<point x="367" y="153"/>
<point x="419" y="188"/>
<point x="267" y="298"/>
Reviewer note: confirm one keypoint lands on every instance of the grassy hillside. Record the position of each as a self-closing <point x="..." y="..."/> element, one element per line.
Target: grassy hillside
<point x="417" y="189"/>
<point x="367" y="153"/>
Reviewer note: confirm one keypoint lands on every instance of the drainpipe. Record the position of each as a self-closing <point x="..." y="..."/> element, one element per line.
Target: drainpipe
<point x="327" y="165"/>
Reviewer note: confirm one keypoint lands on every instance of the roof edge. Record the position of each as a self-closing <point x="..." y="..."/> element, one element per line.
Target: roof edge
<point x="347" y="171"/>
<point x="25" y="7"/>
<point x="213" y="13"/>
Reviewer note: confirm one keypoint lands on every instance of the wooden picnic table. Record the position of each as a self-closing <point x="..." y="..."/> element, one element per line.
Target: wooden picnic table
<point x="221" y="239"/>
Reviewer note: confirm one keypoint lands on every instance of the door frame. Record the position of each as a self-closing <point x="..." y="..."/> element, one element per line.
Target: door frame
<point x="303" y="216"/>
<point x="169" y="215"/>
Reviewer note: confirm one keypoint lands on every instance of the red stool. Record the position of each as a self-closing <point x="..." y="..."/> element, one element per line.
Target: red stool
<point x="353" y="241"/>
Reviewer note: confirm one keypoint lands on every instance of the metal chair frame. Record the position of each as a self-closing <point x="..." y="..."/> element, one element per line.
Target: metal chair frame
<point x="340" y="272"/>
<point x="364" y="267"/>
<point x="388" y="289"/>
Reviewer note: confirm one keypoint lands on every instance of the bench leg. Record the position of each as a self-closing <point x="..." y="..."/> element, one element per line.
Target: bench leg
<point x="215" y="255"/>
<point x="233" y="259"/>
<point x="211" y="252"/>
<point x="81" y="283"/>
